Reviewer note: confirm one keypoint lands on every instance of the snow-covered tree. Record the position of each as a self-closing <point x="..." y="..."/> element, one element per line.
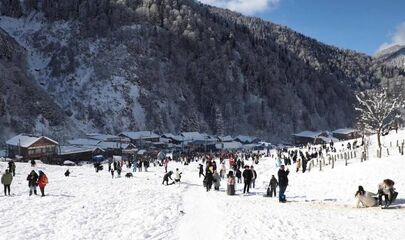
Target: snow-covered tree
<point x="378" y="110"/>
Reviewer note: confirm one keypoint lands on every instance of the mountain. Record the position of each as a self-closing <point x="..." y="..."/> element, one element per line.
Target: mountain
<point x="25" y="107"/>
<point x="172" y="65"/>
<point x="392" y="56"/>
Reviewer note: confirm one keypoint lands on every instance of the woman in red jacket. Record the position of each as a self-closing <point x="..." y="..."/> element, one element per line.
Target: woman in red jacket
<point x="42" y="181"/>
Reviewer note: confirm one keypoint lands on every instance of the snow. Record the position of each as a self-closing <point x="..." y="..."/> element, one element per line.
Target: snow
<point x="90" y="205"/>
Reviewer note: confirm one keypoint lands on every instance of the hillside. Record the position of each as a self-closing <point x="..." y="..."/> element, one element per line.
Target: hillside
<point x="171" y="65"/>
<point x="25" y="107"/>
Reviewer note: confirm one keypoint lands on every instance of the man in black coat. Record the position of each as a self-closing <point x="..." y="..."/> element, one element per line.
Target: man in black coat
<point x="282" y="183"/>
<point x="247" y="178"/>
<point x="32" y="179"/>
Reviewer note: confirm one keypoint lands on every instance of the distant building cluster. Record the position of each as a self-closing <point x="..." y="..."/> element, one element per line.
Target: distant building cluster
<point x="324" y="137"/>
<point x="98" y="146"/>
<point x="126" y="144"/>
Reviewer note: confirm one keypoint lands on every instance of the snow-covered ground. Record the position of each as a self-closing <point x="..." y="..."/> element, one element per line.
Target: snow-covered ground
<point x="90" y="205"/>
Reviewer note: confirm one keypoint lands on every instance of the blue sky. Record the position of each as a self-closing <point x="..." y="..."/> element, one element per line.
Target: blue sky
<point x="361" y="25"/>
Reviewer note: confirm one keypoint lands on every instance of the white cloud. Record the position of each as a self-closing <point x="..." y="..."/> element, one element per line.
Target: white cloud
<point x="248" y="7"/>
<point x="398" y="38"/>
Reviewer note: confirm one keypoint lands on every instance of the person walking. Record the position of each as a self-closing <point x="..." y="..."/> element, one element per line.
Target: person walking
<point x="134" y="165"/>
<point x="200" y="170"/>
<point x="254" y="173"/>
<point x="11" y="166"/>
<point x="230" y="190"/>
<point x="283" y="183"/>
<point x="273" y="185"/>
<point x="32" y="179"/>
<point x="42" y="182"/>
<point x="247" y="178"/>
<point x="238" y="176"/>
<point x="6" y="180"/>
<point x="166" y="164"/>
<point x="217" y="180"/>
<point x="208" y="178"/>
<point x="223" y="170"/>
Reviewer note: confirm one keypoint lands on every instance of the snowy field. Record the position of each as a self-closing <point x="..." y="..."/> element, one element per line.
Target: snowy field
<point x="90" y="205"/>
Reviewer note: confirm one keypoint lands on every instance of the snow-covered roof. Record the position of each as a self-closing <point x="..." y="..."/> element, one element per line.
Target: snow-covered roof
<point x="113" y="145"/>
<point x="104" y="137"/>
<point x="225" y="138"/>
<point x="229" y="145"/>
<point x="172" y="136"/>
<point x="308" y="134"/>
<point x="140" y="135"/>
<point x="65" y="150"/>
<point x="329" y="139"/>
<point x="84" y="142"/>
<point x="245" y="139"/>
<point x="192" y="136"/>
<point x="24" y="140"/>
<point x="345" y="131"/>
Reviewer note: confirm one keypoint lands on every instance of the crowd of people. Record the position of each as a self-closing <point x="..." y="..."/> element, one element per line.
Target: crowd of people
<point x="213" y="172"/>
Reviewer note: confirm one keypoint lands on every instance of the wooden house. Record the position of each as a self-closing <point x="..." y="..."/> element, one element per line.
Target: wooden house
<point x="27" y="147"/>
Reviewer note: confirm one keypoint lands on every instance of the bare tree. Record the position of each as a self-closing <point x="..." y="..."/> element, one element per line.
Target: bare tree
<point x="378" y="110"/>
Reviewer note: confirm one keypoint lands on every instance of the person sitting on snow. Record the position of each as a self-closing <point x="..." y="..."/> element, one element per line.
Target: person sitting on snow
<point x="367" y="199"/>
<point x="386" y="189"/>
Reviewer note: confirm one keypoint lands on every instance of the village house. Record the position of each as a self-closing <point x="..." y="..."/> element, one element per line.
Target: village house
<point x="27" y="147"/>
<point x="346" y="133"/>
<point x="313" y="137"/>
<point x="246" y="139"/>
<point x="141" y="138"/>
<point x="77" y="154"/>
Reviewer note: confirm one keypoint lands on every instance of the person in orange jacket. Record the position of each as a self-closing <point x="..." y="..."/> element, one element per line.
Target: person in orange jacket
<point x="42" y="181"/>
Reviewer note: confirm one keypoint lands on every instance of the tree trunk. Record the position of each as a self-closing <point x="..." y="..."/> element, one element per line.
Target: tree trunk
<point x="379" y="142"/>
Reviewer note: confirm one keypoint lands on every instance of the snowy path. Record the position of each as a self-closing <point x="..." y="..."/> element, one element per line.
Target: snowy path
<point x="202" y="213"/>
